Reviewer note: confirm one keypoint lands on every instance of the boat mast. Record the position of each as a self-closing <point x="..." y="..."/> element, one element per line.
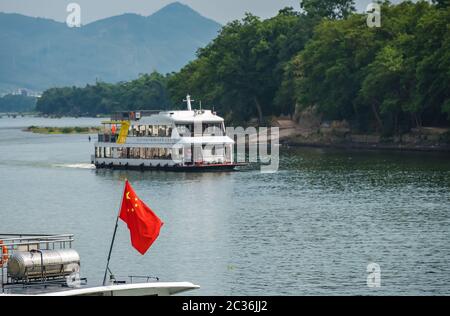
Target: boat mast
<point x="189" y="102"/>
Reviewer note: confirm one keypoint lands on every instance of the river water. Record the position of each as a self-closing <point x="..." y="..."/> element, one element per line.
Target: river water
<point x="311" y="228"/>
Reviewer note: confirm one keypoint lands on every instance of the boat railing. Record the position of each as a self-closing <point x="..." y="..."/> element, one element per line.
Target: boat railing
<point x="131" y="115"/>
<point x="107" y="138"/>
<point x="27" y="242"/>
<point x="133" y="279"/>
<point x="132" y="139"/>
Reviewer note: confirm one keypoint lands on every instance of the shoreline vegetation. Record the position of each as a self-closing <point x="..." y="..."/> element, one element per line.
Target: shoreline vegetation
<point x="325" y="135"/>
<point x="62" y="130"/>
<point x="338" y="135"/>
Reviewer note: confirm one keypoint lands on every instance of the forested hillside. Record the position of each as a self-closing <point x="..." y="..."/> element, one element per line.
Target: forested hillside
<point x="148" y="92"/>
<point x="388" y="79"/>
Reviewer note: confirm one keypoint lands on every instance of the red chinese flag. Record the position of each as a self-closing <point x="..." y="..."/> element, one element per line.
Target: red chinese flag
<point x="143" y="224"/>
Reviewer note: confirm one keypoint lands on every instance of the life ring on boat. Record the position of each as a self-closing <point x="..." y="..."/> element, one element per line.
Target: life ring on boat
<point x="4" y="255"/>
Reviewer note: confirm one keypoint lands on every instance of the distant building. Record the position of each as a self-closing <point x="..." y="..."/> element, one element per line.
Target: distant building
<point x="24" y="92"/>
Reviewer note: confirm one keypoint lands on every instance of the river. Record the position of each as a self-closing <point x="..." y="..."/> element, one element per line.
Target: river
<point x="312" y="228"/>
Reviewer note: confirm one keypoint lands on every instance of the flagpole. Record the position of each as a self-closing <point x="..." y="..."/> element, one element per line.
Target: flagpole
<point x="110" y="251"/>
<point x="113" y="238"/>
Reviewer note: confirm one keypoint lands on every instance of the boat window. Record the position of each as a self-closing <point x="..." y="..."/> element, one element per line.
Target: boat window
<point x="136" y="153"/>
<point x="148" y="153"/>
<point x="148" y="131"/>
<point x="213" y="129"/>
<point x="161" y="131"/>
<point x="185" y="130"/>
<point x="145" y="130"/>
<point x="142" y="130"/>
<point x="120" y="153"/>
<point x="139" y="130"/>
<point x="157" y="131"/>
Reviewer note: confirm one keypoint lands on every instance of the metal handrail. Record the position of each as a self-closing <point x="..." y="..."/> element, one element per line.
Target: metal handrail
<point x="29" y="236"/>
<point x="32" y="239"/>
<point x="37" y="235"/>
<point x="131" y="278"/>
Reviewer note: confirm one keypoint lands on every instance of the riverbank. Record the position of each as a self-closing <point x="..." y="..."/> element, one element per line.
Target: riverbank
<point x="62" y="130"/>
<point x="338" y="136"/>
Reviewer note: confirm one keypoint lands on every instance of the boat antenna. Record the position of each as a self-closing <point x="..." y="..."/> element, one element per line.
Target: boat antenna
<point x="189" y="102"/>
<point x="200" y="105"/>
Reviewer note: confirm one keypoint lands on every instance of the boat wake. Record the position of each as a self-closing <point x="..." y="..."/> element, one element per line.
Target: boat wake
<point x="77" y="166"/>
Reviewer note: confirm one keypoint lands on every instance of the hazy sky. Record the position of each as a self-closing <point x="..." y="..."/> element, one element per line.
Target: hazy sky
<point x="222" y="11"/>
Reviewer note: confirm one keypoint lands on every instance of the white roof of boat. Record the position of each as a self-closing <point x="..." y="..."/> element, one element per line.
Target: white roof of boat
<point x="170" y="117"/>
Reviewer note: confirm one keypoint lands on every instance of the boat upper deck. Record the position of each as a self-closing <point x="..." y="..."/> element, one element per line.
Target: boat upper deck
<point x="167" y="117"/>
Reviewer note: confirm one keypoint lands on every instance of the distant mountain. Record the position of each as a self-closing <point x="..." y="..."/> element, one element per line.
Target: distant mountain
<point x="39" y="53"/>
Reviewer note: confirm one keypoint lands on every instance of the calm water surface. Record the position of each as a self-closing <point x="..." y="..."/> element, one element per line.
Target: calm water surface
<point x="311" y="228"/>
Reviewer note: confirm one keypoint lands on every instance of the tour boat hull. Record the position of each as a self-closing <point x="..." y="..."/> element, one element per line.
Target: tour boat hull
<point x="189" y="168"/>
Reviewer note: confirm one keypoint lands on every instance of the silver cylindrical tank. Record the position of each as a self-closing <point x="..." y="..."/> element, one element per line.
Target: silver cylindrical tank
<point x="47" y="263"/>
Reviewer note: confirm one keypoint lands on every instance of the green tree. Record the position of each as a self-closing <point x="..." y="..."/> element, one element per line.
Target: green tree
<point x="243" y="68"/>
<point x="148" y="92"/>
<point x="17" y="103"/>
<point x="333" y="9"/>
<point x="399" y="73"/>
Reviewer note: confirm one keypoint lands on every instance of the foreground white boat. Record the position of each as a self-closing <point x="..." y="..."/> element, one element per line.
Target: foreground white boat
<point x="46" y="265"/>
<point x="137" y="289"/>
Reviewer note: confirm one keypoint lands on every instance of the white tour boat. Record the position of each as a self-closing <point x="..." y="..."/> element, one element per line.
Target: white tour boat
<point x="188" y="140"/>
<point x="46" y="265"/>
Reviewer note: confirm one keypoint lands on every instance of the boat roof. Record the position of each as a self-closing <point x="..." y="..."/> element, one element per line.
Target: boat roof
<point x="179" y="117"/>
<point x="158" y="117"/>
